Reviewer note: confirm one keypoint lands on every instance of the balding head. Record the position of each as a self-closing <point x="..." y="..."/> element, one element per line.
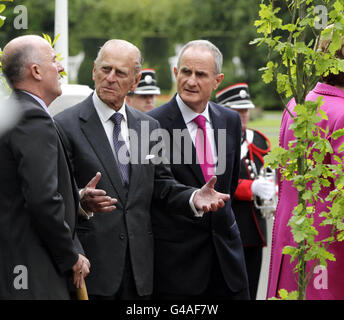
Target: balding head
<point x="18" y="54"/>
<point x="29" y="63"/>
<point x="115" y="44"/>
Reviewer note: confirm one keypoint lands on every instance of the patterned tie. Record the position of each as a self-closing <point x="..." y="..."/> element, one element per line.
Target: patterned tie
<point x="121" y="149"/>
<point x="203" y="149"/>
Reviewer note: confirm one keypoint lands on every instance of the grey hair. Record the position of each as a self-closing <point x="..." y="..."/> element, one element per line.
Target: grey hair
<point x="138" y="62"/>
<point x="218" y="58"/>
<point x="14" y="64"/>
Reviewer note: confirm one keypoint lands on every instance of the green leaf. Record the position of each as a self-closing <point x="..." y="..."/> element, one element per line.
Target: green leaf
<point x="335" y="43"/>
<point x="2" y="7"/>
<point x="337" y="134"/>
<point x="289" y="250"/>
<point x="269" y="72"/>
<point x="58" y="36"/>
<point x="289" y="27"/>
<point x="63" y="74"/>
<point x="2" y="21"/>
<point x="323" y="114"/>
<point x="283" y="293"/>
<point x="307" y="195"/>
<point x="338" y="6"/>
<point x="47" y="38"/>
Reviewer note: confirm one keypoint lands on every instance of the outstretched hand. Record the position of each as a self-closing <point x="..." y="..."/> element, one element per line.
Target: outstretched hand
<point x="208" y="199"/>
<point x="96" y="200"/>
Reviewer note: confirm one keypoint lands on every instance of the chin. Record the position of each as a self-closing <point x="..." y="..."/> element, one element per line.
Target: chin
<point x="148" y="108"/>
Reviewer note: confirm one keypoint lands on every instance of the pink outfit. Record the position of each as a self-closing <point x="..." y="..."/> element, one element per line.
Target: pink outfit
<point x="328" y="284"/>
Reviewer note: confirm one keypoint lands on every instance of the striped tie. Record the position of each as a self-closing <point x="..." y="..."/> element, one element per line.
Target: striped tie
<point x="121" y="149"/>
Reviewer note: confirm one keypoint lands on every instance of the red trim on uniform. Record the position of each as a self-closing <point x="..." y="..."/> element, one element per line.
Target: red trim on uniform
<point x="253" y="149"/>
<point x="264" y="244"/>
<point x="243" y="191"/>
<point x="148" y="69"/>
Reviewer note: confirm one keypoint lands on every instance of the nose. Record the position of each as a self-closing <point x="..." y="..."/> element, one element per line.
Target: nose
<point x="111" y="76"/>
<point x="60" y="67"/>
<point x="192" y="80"/>
<point x="149" y="98"/>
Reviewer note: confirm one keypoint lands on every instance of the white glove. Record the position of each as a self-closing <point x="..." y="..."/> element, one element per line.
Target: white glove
<point x="263" y="188"/>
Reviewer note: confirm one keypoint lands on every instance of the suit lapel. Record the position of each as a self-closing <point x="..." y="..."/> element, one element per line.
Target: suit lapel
<point x="176" y="121"/>
<point x="219" y="122"/>
<point x="95" y="134"/>
<point x="27" y="97"/>
<point x="134" y="126"/>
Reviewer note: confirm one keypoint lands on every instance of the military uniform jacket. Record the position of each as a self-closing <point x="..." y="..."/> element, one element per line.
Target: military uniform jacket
<point x="251" y="223"/>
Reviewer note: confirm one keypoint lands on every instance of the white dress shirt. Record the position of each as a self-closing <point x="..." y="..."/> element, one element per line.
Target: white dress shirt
<point x="105" y="113"/>
<point x="189" y="115"/>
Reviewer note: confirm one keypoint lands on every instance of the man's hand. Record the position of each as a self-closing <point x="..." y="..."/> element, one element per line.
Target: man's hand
<point x="96" y="200"/>
<point x="81" y="270"/>
<point x="208" y="199"/>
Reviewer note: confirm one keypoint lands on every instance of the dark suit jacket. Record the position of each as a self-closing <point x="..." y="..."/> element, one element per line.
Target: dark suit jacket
<point x="185" y="247"/>
<point x="38" y="207"/>
<point x="105" y="237"/>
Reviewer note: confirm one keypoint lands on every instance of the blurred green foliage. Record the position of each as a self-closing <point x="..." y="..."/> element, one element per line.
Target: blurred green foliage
<point x="228" y="23"/>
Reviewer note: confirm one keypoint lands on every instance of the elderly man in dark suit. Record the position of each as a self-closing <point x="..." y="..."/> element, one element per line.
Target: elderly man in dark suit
<point x="199" y="258"/>
<point x="39" y="199"/>
<point x="103" y="134"/>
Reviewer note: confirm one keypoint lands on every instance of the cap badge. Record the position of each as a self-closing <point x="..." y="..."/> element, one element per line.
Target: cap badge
<point x="148" y="79"/>
<point x="243" y="94"/>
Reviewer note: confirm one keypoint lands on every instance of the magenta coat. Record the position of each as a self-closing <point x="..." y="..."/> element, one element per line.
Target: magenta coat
<point x="329" y="283"/>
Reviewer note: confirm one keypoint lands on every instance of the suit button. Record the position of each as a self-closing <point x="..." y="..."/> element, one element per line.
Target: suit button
<point x="121" y="236"/>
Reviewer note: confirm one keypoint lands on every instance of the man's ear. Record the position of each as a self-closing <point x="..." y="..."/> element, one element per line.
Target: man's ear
<point x="36" y="71"/>
<point x="218" y="79"/>
<point x="175" y="71"/>
<point x="128" y="100"/>
<point x="94" y="71"/>
<point x="136" y="82"/>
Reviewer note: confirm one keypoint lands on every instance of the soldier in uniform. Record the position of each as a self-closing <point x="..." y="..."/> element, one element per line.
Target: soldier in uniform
<point x="254" y="145"/>
<point x="143" y="97"/>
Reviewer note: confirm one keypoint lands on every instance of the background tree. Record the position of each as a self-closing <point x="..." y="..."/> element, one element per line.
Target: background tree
<point x="297" y="69"/>
<point x="178" y="21"/>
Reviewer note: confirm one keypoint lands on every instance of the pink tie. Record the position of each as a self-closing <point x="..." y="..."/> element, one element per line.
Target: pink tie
<point x="203" y="149"/>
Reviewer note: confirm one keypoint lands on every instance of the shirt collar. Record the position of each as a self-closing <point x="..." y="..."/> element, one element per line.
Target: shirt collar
<point x="104" y="111"/>
<point x="327" y="89"/>
<point x="39" y="100"/>
<point x="188" y="114"/>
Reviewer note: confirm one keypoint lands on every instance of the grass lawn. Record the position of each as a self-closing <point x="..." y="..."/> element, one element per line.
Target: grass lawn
<point x="269" y="124"/>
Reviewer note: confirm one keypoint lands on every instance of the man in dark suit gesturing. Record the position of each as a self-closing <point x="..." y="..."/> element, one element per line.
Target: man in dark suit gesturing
<point x="199" y="258"/>
<point x="102" y="134"/>
<point x="39" y="199"/>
